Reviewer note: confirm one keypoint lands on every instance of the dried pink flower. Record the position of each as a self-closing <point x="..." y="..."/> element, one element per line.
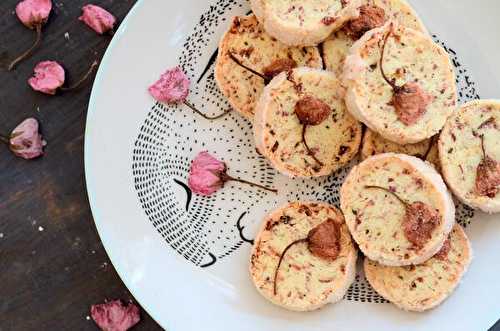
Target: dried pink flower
<point x="33" y="14"/>
<point x="98" y="19"/>
<point x="115" y="316"/>
<point x="49" y="77"/>
<point x="207" y="175"/>
<point x="26" y="141"/>
<point x="173" y="87"/>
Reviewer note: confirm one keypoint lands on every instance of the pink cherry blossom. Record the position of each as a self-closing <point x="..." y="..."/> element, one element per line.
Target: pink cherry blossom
<point x="33" y="13"/>
<point x="49" y="76"/>
<point x="172" y="87"/>
<point x="205" y="174"/>
<point x="97" y="18"/>
<point x="115" y="316"/>
<point x="25" y="141"/>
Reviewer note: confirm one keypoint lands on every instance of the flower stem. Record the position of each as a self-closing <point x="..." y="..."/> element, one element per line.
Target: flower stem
<point x="5" y="140"/>
<point x="390" y="192"/>
<point x="482" y="146"/>
<point x="392" y="82"/>
<point x="30" y="50"/>
<point x="82" y="80"/>
<point x="225" y="177"/>
<point x="190" y="105"/>
<point x="305" y="240"/>
<point x="307" y="147"/>
<point x="238" y="62"/>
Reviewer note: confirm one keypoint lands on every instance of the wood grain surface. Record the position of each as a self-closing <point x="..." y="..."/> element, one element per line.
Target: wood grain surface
<point x="52" y="263"/>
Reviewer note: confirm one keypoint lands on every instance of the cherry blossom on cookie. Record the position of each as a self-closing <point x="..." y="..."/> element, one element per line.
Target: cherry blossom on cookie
<point x="98" y="19"/>
<point x="33" y="14"/>
<point x="173" y="88"/>
<point x="208" y="174"/>
<point x="49" y="77"/>
<point x="115" y="316"/>
<point x="26" y="141"/>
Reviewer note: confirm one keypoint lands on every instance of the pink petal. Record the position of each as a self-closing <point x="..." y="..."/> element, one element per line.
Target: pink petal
<point x="204" y="174"/>
<point x="115" y="316"/>
<point x="26" y="142"/>
<point x="33" y="12"/>
<point x="97" y="18"/>
<point x="172" y="87"/>
<point x="49" y="76"/>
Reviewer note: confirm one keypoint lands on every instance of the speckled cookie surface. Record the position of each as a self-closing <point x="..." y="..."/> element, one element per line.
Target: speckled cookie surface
<point x="410" y="58"/>
<point x="423" y="287"/>
<point x="336" y="47"/>
<point x="376" y="217"/>
<point x="461" y="153"/>
<point x="304" y="23"/>
<point x="305" y="281"/>
<point x="253" y="47"/>
<point x="278" y="131"/>
<point x="374" y="144"/>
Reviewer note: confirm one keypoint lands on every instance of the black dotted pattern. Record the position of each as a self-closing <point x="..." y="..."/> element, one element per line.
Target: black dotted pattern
<point x="206" y="229"/>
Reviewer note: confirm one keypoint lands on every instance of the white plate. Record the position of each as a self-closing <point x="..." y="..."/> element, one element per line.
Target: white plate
<point x="136" y="149"/>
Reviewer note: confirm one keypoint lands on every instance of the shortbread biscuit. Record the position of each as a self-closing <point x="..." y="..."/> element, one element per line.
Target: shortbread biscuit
<point x="253" y="47"/>
<point x="305" y="281"/>
<point x="374" y="144"/>
<point x="397" y="208"/>
<point x="425" y="286"/>
<point x="424" y="94"/>
<point x="337" y="46"/>
<point x="278" y="129"/>
<point x="469" y="151"/>
<point x="304" y="23"/>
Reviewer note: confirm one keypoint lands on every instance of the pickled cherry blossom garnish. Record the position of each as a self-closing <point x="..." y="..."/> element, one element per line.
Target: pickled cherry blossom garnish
<point x="49" y="77"/>
<point x="272" y="70"/>
<point x="173" y="88"/>
<point x="33" y="14"/>
<point x="115" y="316"/>
<point x="322" y="241"/>
<point x="311" y="111"/>
<point x="370" y="17"/>
<point x="419" y="221"/>
<point x="207" y="175"/>
<point x="487" y="174"/>
<point x="25" y="141"/>
<point x="98" y="19"/>
<point x="409" y="100"/>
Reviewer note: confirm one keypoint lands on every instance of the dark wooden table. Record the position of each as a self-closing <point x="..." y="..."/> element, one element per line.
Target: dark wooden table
<point x="50" y="277"/>
<point x="53" y="265"/>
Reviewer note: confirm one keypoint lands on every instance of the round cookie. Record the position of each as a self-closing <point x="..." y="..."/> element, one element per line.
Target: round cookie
<point x="397" y="208"/>
<point x="337" y="46"/>
<point x="303" y="23"/>
<point x="470" y="154"/>
<point x="409" y="97"/>
<point x="374" y="144"/>
<point x="295" y="146"/>
<point x="247" y="41"/>
<point x="425" y="286"/>
<point x="308" y="277"/>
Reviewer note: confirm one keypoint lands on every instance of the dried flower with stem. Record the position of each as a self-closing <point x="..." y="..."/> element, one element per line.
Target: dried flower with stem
<point x="487" y="174"/>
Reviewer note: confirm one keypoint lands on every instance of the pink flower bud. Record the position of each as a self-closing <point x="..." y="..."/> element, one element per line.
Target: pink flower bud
<point x="49" y="76"/>
<point x="97" y="18"/>
<point x="33" y="12"/>
<point x="172" y="87"/>
<point x="115" y="316"/>
<point x="26" y="141"/>
<point x="205" y="174"/>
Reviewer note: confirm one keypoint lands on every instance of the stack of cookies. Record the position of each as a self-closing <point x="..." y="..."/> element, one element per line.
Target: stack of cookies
<point x="324" y="81"/>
